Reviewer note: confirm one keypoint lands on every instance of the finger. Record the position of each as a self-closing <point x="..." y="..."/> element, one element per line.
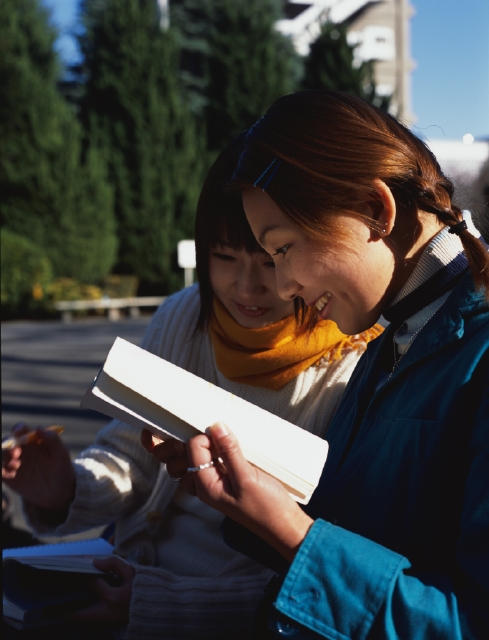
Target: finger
<point x="104" y="590"/>
<point x="188" y="482"/>
<point x="211" y="483"/>
<point x="51" y="440"/>
<point x="20" y="429"/>
<point x="226" y="447"/>
<point x="10" y="468"/>
<point x="116" y="565"/>
<point x="177" y="467"/>
<point x="147" y="440"/>
<point x="169" y="449"/>
<point x="199" y="449"/>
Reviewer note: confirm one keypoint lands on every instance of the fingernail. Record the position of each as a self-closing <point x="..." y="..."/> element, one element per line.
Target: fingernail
<point x="217" y="430"/>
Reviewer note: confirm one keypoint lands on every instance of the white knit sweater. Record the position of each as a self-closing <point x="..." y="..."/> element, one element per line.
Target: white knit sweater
<point x="188" y="584"/>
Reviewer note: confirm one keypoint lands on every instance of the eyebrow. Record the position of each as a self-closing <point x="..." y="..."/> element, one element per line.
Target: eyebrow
<point x="261" y="239"/>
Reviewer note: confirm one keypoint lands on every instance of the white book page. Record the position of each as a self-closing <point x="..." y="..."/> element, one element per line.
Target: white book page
<point x="146" y="391"/>
<point x="200" y="404"/>
<point x="79" y="564"/>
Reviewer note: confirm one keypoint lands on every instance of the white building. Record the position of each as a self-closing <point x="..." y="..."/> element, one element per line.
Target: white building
<point x="462" y="162"/>
<point x="379" y="28"/>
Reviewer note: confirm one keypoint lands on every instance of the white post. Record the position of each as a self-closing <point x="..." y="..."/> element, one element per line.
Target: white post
<point x="186" y="260"/>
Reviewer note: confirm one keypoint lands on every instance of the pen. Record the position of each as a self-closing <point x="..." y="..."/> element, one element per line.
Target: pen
<point x="28" y="438"/>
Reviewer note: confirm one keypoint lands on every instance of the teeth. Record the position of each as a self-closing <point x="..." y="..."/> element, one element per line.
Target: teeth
<point x="321" y="303"/>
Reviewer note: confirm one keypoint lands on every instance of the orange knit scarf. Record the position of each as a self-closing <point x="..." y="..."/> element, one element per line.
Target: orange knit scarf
<point x="271" y="356"/>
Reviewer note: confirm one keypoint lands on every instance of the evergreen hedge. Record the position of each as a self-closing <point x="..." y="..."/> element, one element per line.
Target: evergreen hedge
<point x="25" y="274"/>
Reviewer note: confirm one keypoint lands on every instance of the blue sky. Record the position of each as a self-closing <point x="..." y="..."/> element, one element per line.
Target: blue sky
<point x="450" y="47"/>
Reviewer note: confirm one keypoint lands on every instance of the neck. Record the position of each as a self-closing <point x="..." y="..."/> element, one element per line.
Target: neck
<point x="408" y="243"/>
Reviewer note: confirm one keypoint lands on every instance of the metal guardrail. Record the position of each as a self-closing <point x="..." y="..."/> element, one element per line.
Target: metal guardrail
<point x="113" y="306"/>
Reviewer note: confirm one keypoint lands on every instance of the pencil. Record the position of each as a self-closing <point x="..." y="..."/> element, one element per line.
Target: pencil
<point x="28" y="438"/>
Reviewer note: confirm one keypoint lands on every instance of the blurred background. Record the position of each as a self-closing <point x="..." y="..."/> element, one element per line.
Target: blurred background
<point x="113" y="110"/>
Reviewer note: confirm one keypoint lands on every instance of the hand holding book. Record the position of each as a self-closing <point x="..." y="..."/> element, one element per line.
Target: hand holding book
<point x="150" y="393"/>
<point x="114" y="596"/>
<point x="171" y="452"/>
<point x="245" y="493"/>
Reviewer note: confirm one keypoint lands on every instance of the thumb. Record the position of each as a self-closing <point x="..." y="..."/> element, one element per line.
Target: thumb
<point x="226" y="446"/>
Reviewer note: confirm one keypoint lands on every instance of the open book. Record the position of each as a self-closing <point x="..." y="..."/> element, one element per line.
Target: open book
<point x="148" y="392"/>
<point x="44" y="581"/>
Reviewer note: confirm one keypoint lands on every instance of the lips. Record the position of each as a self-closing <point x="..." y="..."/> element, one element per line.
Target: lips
<point x="252" y="311"/>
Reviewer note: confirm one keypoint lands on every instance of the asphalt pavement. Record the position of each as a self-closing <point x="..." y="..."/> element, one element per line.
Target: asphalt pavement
<point x="46" y="368"/>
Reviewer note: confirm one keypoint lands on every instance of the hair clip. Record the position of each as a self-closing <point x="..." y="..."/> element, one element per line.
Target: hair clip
<point x="266" y="171"/>
<point x="458" y="228"/>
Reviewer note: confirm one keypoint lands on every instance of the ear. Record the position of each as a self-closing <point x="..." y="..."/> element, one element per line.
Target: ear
<point x="382" y="207"/>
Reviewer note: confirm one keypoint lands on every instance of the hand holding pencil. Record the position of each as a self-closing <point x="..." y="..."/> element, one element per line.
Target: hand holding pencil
<point x="28" y="438"/>
<point x="36" y="464"/>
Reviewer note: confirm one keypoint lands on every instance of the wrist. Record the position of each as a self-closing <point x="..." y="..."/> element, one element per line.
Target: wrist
<point x="290" y="536"/>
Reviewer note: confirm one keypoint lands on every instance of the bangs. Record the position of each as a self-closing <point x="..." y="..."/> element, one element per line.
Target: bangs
<point x="232" y="229"/>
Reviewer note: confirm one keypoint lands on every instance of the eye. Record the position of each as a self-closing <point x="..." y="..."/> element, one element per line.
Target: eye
<point x="283" y="250"/>
<point x="223" y="256"/>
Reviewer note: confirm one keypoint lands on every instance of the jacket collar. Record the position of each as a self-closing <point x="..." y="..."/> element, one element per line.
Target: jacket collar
<point x="446" y="326"/>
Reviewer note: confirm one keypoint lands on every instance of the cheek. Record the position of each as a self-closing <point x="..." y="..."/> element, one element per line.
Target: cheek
<point x="218" y="276"/>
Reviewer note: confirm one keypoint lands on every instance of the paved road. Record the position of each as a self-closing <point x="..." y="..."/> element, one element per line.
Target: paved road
<point x="47" y="367"/>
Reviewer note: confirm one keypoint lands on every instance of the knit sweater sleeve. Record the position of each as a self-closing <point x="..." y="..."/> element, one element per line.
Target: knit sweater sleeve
<point x="116" y="476"/>
<point x="179" y="607"/>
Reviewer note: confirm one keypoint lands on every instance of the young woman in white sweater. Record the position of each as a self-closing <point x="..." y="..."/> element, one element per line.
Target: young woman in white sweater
<point x="180" y="580"/>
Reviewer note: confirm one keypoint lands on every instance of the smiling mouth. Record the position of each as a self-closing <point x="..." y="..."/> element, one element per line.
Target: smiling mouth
<point x="322" y="301"/>
<point x="251" y="311"/>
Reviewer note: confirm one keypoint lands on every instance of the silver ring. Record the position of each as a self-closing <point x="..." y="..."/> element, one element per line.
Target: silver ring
<point x="201" y="467"/>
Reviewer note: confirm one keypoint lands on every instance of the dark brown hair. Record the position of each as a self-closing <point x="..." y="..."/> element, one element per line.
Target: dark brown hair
<point x="330" y="149"/>
<point x="219" y="219"/>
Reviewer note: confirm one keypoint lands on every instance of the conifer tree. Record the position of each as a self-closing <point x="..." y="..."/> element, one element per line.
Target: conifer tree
<point x="250" y="64"/>
<point x="49" y="195"/>
<point x="330" y="65"/>
<point x="155" y="154"/>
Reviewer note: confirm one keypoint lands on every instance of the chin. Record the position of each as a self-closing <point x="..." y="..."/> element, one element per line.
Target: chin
<point x="351" y="326"/>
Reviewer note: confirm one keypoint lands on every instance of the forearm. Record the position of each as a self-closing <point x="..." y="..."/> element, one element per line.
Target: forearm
<point x="164" y="605"/>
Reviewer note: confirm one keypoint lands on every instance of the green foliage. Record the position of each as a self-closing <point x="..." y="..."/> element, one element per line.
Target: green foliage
<point x="330" y="65"/>
<point x="61" y="289"/>
<point x="155" y="153"/>
<point x="50" y="195"/>
<point x="26" y="273"/>
<point x="117" y="286"/>
<point x="190" y="24"/>
<point x="249" y="65"/>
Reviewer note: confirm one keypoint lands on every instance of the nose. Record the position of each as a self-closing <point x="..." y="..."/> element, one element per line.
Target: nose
<point x="287" y="287"/>
<point x="249" y="282"/>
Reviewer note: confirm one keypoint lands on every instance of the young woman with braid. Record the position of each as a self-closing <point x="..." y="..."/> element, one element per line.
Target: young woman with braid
<point x="359" y="220"/>
<point x="234" y="331"/>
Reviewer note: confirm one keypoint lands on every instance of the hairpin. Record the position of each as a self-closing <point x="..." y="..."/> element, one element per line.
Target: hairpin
<point x="266" y="171"/>
<point x="458" y="228"/>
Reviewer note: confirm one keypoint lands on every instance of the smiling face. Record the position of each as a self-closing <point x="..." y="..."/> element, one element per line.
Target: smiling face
<point x="245" y="284"/>
<point x="349" y="283"/>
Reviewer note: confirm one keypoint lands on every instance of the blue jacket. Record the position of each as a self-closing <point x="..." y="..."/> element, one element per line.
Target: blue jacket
<point x="400" y="545"/>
